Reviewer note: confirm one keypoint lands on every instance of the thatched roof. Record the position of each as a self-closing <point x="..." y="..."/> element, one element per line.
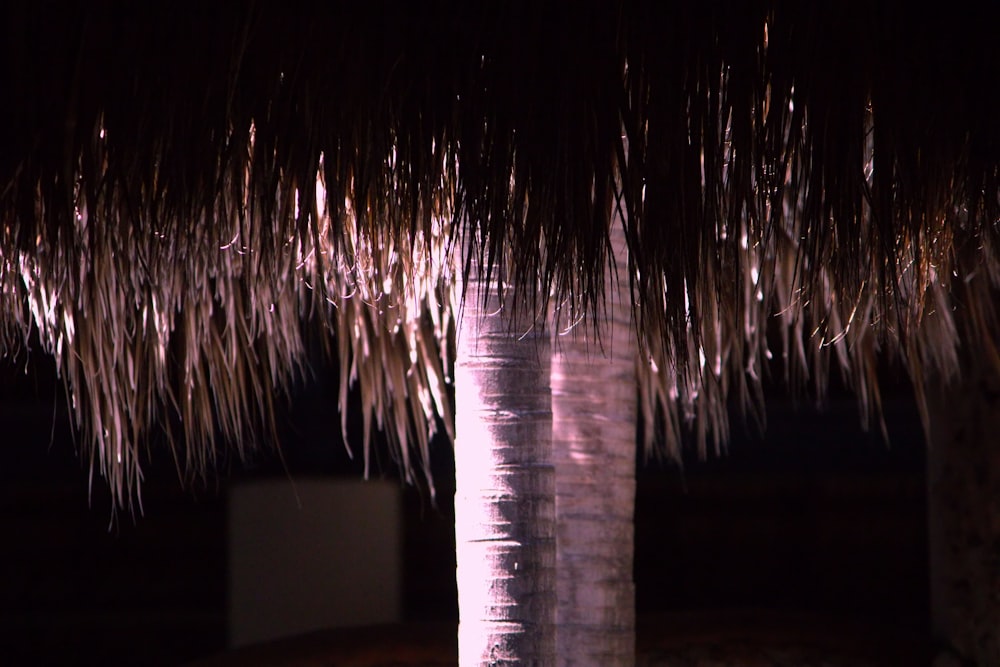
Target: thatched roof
<point x="187" y="188"/>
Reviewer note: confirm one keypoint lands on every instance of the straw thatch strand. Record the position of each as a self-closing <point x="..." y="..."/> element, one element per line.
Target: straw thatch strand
<point x="185" y="189"/>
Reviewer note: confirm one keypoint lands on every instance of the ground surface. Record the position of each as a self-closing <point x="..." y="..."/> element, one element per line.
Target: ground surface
<point x="744" y="639"/>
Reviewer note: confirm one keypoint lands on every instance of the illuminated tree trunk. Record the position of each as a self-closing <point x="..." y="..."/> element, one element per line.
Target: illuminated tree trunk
<point x="964" y="517"/>
<point x="505" y="490"/>
<point x="594" y="444"/>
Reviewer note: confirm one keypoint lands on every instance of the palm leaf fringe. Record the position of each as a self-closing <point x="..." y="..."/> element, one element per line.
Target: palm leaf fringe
<point x="186" y="189"/>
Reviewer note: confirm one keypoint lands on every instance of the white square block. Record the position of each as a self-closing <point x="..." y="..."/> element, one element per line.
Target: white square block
<point x="307" y="554"/>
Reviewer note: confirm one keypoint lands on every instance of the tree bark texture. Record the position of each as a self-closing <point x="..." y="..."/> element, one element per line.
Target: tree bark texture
<point x="964" y="517"/>
<point x="505" y="489"/>
<point x="594" y="446"/>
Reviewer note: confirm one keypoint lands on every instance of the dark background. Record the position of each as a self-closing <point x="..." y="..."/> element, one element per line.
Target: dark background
<point x="816" y="517"/>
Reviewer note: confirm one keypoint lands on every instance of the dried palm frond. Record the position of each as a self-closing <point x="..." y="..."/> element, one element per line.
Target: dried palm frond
<point x="185" y="188"/>
<point x="197" y="329"/>
<point x="804" y="192"/>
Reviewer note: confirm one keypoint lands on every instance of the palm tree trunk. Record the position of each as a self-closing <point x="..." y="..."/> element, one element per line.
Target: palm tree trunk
<point x="594" y="444"/>
<point x="505" y="489"/>
<point x="963" y="501"/>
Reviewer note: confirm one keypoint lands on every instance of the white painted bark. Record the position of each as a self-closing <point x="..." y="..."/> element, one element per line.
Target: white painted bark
<point x="505" y="490"/>
<point x="594" y="444"/>
<point x="963" y="477"/>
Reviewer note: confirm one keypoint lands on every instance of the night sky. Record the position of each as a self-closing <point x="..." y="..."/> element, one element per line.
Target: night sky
<point x="816" y="516"/>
